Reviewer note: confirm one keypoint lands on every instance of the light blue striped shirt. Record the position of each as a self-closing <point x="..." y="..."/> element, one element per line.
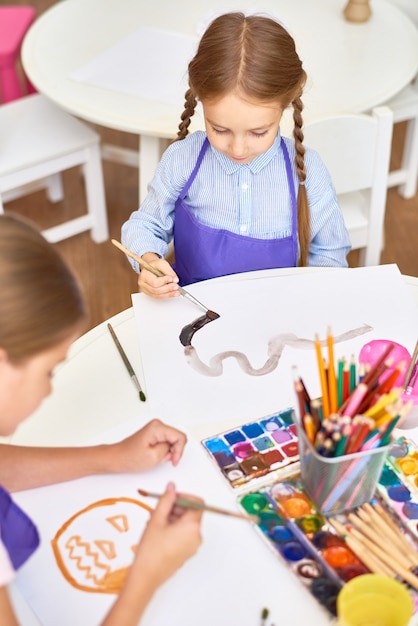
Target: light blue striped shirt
<point x="250" y="199"/>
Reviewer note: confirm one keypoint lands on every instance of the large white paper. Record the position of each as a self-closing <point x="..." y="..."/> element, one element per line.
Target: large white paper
<point x="136" y="64"/>
<point x="232" y="577"/>
<point x="372" y="302"/>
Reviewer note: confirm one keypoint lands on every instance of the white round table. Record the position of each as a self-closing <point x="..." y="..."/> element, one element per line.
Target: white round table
<point x="96" y="371"/>
<point x="351" y="67"/>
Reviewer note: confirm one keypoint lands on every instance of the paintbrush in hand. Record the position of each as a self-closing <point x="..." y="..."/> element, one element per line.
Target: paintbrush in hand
<point x="186" y="503"/>
<point x="145" y="265"/>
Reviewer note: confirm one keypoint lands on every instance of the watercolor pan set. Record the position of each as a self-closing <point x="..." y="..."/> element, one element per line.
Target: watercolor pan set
<point x="398" y="483"/>
<point x="307" y="541"/>
<point x="256" y="450"/>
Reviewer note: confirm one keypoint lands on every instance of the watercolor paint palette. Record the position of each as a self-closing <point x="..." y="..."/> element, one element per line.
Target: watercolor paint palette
<point x="305" y="540"/>
<point x="398" y="483"/>
<point x="257" y="449"/>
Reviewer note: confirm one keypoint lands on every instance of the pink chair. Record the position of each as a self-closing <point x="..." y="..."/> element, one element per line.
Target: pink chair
<point x="14" y="23"/>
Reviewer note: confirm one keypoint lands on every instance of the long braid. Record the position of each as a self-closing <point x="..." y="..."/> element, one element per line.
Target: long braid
<point x="189" y="109"/>
<point x="304" y="227"/>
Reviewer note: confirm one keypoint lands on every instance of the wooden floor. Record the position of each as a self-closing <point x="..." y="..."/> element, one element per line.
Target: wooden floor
<point x="104" y="273"/>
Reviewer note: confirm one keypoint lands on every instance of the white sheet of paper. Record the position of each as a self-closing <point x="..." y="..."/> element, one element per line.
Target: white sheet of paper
<point x="136" y="64"/>
<point x="232" y="577"/>
<point x="252" y="312"/>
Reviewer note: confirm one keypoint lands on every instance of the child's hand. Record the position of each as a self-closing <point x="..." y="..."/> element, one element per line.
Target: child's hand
<point x="172" y="536"/>
<point x="158" y="287"/>
<point x="156" y="442"/>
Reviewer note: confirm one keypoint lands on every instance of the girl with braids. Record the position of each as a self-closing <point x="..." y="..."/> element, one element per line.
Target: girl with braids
<point x="239" y="197"/>
<point x="41" y="313"/>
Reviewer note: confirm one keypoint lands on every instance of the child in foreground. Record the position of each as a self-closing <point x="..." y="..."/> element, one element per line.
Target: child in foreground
<point x="41" y="313"/>
<point x="238" y="197"/>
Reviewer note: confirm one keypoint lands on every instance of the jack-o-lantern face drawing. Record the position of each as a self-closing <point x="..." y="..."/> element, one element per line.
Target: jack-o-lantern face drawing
<point x="95" y="548"/>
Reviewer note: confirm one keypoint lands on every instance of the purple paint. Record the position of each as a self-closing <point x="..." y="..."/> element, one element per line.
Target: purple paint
<point x="280" y="436"/>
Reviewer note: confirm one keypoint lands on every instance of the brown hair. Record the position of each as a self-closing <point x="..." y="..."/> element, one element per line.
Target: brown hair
<point x="40" y="300"/>
<point x="257" y="56"/>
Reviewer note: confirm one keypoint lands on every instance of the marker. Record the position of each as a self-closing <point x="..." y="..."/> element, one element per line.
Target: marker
<point x="127" y="363"/>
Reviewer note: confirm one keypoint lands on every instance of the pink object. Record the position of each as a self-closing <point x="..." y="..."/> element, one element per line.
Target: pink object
<point x="372" y="350"/>
<point x="369" y="354"/>
<point x="14" y="23"/>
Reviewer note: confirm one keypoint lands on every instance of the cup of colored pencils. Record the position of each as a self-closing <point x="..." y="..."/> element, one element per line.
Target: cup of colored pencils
<point x="344" y="435"/>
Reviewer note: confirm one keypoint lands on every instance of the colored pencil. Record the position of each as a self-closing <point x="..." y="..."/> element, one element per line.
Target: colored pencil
<point x="322" y="377"/>
<point x="355" y="399"/>
<point x="375" y="517"/>
<point x="383" y="402"/>
<point x="340" y="378"/>
<point x="411" y="367"/>
<point x="186" y="503"/>
<point x="373" y="563"/>
<point x="392" y="378"/>
<point x="353" y="374"/>
<point x="309" y="426"/>
<point x="378" y="363"/>
<point x="332" y="381"/>
<point x="346" y="384"/>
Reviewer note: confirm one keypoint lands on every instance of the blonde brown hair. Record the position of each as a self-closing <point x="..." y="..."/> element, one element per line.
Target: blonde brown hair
<point x="40" y="300"/>
<point x="256" y="56"/>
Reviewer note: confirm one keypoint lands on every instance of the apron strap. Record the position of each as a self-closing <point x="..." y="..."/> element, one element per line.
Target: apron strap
<point x="186" y="187"/>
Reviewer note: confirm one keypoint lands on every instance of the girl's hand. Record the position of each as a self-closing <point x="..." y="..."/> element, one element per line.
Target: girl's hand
<point x="155" y="443"/>
<point x="158" y="287"/>
<point x="172" y="535"/>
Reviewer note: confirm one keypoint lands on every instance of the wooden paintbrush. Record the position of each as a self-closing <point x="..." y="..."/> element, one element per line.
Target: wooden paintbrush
<point x="186" y="503"/>
<point x="143" y="264"/>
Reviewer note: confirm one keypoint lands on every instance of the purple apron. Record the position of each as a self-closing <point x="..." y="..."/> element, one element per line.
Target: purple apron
<point x="18" y="533"/>
<point x="204" y="252"/>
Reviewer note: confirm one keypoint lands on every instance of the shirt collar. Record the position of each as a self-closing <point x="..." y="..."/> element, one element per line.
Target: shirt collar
<point x="254" y="166"/>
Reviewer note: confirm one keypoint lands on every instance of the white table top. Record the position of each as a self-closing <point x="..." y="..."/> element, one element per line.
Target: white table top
<point x="70" y="417"/>
<point x="351" y="67"/>
<point x="101" y="380"/>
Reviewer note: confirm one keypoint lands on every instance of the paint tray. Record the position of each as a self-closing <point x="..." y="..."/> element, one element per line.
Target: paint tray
<point x="305" y="540"/>
<point x="398" y="482"/>
<point x="337" y="484"/>
<point x="257" y="450"/>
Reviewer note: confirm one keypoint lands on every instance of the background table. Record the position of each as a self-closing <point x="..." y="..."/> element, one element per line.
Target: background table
<point x="93" y="393"/>
<point x="351" y="67"/>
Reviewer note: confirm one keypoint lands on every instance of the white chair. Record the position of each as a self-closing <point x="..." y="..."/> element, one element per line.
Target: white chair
<point x="405" y="109"/>
<point x="38" y="141"/>
<point x="356" y="150"/>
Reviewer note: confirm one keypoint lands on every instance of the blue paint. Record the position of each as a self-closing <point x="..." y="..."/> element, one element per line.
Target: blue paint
<point x="280" y="533"/>
<point x="229" y="449"/>
<point x="399" y="493"/>
<point x="293" y="551"/>
<point x="235" y="436"/>
<point x="252" y="430"/>
<point x="263" y="443"/>
<point x="410" y="510"/>
<point x="216" y="445"/>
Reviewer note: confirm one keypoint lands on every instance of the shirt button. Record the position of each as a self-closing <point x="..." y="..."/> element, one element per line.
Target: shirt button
<point x="243" y="228"/>
<point x="244" y="187"/>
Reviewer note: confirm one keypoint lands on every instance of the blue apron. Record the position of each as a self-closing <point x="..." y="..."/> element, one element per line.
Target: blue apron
<point x="203" y="252"/>
<point x="18" y="533"/>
